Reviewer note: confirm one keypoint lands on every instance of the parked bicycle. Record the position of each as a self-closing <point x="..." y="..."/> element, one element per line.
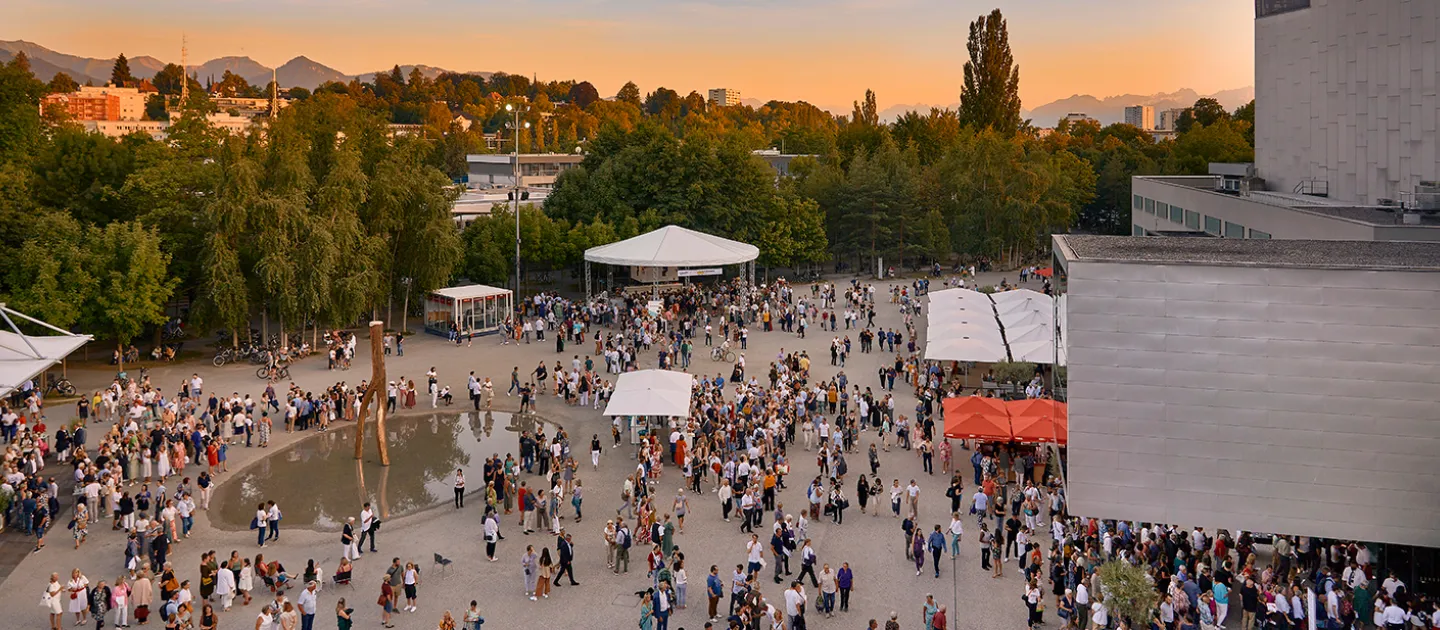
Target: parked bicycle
<point x="60" y="385"/>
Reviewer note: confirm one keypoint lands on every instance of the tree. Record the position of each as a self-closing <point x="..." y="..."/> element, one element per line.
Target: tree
<point x="20" y="94"/>
<point x="629" y="93"/>
<point x="170" y="79"/>
<point x="61" y="83"/>
<point x="1246" y="114"/>
<point x="155" y="108"/>
<point x="1127" y="592"/>
<point x="50" y="276"/>
<point x="1208" y="111"/>
<point x="120" y="74"/>
<point x="234" y="85"/>
<point x="83" y="173"/>
<point x="582" y="94"/>
<point x="990" y="97"/>
<point x="132" y="283"/>
<point x="1223" y="141"/>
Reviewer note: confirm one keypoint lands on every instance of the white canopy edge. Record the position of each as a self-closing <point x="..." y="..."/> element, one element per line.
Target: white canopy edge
<point x="651" y="393"/>
<point x="23" y="357"/>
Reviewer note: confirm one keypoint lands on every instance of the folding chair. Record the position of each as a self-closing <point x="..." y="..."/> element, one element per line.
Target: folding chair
<point x="442" y="561"/>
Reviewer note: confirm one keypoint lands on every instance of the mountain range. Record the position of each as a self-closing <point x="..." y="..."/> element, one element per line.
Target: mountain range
<point x="307" y="73"/>
<point x="298" y="72"/>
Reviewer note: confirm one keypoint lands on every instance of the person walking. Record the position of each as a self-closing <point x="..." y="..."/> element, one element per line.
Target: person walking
<point x="936" y="545"/>
<point x="369" y="527"/>
<point x="714" y="590"/>
<point x="53" y="597"/>
<point x="566" y="549"/>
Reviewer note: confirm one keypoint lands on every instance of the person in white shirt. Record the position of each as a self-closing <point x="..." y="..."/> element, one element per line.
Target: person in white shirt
<point x="1391" y="585"/>
<point x="1099" y="615"/>
<point x="795" y="604"/>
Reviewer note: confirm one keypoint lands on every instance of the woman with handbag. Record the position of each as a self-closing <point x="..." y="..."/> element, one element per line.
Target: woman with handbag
<point x="77" y="589"/>
<point x="50" y="599"/>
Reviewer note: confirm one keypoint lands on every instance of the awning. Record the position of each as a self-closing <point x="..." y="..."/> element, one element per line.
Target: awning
<point x="1042" y="352"/>
<point x="1039" y="420"/>
<point x="23" y="357"/>
<point x="651" y="393"/>
<point x="976" y="418"/>
<point x="966" y="348"/>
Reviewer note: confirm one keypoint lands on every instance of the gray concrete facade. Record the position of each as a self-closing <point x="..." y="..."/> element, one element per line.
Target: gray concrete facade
<point x="1266" y="397"/>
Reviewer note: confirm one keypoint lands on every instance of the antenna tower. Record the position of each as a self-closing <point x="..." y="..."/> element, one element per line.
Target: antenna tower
<point x="184" y="71"/>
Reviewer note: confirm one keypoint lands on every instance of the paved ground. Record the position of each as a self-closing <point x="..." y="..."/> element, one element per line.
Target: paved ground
<point x="884" y="579"/>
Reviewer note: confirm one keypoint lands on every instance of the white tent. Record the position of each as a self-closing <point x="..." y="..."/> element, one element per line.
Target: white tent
<point x="673" y="246"/>
<point x="23" y="357"/>
<point x="966" y="348"/>
<point x="1035" y="352"/>
<point x="1031" y="332"/>
<point x="1025" y="318"/>
<point x="1006" y="297"/>
<point x="651" y="393"/>
<point x="1026" y="304"/>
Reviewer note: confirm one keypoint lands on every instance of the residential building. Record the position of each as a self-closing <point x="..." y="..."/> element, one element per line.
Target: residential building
<point x="1346" y="144"/>
<point x="1077" y="117"/>
<point x="247" y="107"/>
<point x="1141" y="116"/>
<point x="83" y="107"/>
<point x="132" y="100"/>
<point x="1169" y="118"/>
<point x="157" y="129"/>
<point x="537" y="170"/>
<point x="1284" y="387"/>
<point x="724" y="97"/>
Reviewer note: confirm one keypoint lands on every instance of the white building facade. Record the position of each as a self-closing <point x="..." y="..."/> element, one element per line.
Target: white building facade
<point x="1288" y="387"/>
<point x="1141" y="116"/>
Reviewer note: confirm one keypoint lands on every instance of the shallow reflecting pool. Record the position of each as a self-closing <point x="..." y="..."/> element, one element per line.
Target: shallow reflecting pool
<point x="318" y="482"/>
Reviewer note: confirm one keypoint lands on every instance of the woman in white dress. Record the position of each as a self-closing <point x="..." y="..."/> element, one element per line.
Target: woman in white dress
<point x="247" y="581"/>
<point x="162" y="459"/>
<point x="52" y="602"/>
<point x="146" y="464"/>
<point x="78" y="593"/>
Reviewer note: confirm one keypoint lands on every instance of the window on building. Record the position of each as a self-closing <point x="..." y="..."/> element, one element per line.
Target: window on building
<point x="1162" y="210"/>
<point x="1266" y="8"/>
<point x="1137" y="202"/>
<point x="1136" y="230"/>
<point x="1192" y="219"/>
<point x="1254" y="233"/>
<point x="1177" y="214"/>
<point x="1234" y="230"/>
<point x="1150" y="206"/>
<point x="1213" y="225"/>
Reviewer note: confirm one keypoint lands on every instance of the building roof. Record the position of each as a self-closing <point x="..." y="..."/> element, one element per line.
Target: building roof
<point x="1373" y="255"/>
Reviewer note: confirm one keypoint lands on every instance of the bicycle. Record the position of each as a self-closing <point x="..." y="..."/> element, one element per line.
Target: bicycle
<point x="59" y="386"/>
<point x="278" y="372"/>
<point x="722" y="354"/>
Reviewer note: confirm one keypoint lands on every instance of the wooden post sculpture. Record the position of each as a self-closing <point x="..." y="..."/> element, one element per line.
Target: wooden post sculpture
<point x="376" y="392"/>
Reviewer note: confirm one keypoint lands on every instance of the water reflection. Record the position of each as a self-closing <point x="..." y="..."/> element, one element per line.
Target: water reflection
<point x="318" y="483"/>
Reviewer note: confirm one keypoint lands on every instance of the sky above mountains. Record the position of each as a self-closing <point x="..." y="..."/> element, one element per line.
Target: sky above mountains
<point x="827" y="52"/>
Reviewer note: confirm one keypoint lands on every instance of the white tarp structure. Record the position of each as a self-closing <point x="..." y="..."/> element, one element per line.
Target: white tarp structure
<point x="651" y="393"/>
<point x="978" y="349"/>
<point x="966" y="325"/>
<point x="673" y="246"/>
<point x="23" y="357"/>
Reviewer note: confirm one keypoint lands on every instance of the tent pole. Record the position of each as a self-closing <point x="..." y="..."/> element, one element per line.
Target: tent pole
<point x="588" y="292"/>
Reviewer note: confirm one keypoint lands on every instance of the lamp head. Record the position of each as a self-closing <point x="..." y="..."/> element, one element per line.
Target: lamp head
<point x="509" y="107"/>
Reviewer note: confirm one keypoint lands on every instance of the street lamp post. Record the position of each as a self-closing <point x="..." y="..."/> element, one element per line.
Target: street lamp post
<point x="515" y="192"/>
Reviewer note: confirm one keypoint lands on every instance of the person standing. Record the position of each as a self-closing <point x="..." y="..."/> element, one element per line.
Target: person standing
<point x="795" y="605"/>
<point x="386" y="601"/>
<point x="459" y="488"/>
<point x="492" y="534"/>
<point x="410" y="578"/>
<point x="78" y="588"/>
<point x="530" y="564"/>
<point x="714" y="590"/>
<point x="99" y="603"/>
<point x="272" y="516"/>
<point x="348" y="549"/>
<point x="306" y="603"/>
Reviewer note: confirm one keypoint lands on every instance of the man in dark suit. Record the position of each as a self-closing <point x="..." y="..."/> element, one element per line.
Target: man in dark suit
<point x="566" y="548"/>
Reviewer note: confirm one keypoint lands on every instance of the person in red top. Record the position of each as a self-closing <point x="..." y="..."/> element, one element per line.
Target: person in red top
<point x="386" y="601"/>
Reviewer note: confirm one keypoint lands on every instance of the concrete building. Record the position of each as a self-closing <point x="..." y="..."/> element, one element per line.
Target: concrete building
<point x="537" y="170"/>
<point x="1077" y="117"/>
<point x="1286" y="387"/>
<point x="724" y="97"/>
<point x="247" y="107"/>
<point x="1345" y="132"/>
<point x="157" y="129"/>
<point x="1142" y="116"/>
<point x="1168" y="118"/>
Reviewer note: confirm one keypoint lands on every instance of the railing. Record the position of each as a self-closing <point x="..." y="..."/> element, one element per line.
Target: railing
<point x="1313" y="187"/>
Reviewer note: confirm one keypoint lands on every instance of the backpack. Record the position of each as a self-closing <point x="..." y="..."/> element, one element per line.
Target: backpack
<point x="623" y="537"/>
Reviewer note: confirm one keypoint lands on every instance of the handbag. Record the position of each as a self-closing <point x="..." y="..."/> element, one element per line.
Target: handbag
<point x="254" y="523"/>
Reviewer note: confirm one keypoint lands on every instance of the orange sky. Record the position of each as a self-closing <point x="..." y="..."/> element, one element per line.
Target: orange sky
<point x="823" y="51"/>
